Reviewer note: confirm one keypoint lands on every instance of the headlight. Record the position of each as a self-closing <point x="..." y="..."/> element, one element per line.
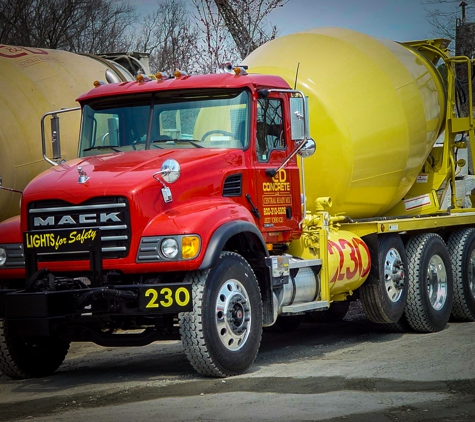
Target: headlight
<point x="180" y="247"/>
<point x="3" y="256"/>
<point x="169" y="248"/>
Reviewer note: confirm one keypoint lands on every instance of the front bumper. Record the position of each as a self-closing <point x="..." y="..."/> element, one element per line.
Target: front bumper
<point x="41" y="313"/>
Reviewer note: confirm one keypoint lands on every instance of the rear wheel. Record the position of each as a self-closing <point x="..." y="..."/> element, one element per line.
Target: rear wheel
<point x="401" y="326"/>
<point x="461" y="245"/>
<point x="28" y="357"/>
<point x="383" y="295"/>
<point x="222" y="334"/>
<point x="430" y="294"/>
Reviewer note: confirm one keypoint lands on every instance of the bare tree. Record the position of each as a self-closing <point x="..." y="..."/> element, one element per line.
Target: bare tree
<point x="252" y="14"/>
<point x="443" y="15"/>
<point x="169" y="36"/>
<point x="216" y="45"/>
<point x="76" y="25"/>
<point x="232" y="29"/>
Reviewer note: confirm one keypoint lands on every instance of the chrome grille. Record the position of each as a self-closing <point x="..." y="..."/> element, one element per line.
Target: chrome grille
<point x="110" y="214"/>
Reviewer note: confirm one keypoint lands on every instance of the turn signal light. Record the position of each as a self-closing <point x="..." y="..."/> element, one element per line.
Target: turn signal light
<point x="190" y="247"/>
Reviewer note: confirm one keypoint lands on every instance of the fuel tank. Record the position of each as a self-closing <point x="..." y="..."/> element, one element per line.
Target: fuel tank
<point x="33" y="82"/>
<point x="376" y="109"/>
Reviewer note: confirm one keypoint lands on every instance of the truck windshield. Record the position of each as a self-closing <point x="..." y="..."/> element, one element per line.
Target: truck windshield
<point x="166" y="120"/>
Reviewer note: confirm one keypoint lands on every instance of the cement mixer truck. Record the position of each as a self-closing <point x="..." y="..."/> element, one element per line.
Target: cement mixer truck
<point x="211" y="207"/>
<point x="34" y="81"/>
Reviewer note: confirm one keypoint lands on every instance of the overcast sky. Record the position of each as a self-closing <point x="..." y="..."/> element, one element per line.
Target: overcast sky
<point x="400" y="20"/>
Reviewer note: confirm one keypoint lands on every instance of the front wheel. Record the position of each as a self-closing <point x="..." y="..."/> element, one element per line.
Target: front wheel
<point x="222" y="335"/>
<point x="28" y="357"/>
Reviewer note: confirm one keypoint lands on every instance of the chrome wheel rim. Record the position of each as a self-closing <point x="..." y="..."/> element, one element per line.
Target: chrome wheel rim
<point x="233" y="315"/>
<point x="393" y="275"/>
<point x="437" y="282"/>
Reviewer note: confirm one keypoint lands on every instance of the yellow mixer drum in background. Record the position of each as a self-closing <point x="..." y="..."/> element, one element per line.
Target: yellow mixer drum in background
<point x="376" y="109"/>
<point x="33" y="82"/>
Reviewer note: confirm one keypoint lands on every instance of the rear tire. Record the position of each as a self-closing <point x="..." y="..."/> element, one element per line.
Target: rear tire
<point x="222" y="335"/>
<point x="30" y="357"/>
<point x="461" y="245"/>
<point x="430" y="294"/>
<point x="383" y="295"/>
<point x="401" y="326"/>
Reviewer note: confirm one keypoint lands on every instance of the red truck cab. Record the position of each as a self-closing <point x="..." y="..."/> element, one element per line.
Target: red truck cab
<point x="175" y="178"/>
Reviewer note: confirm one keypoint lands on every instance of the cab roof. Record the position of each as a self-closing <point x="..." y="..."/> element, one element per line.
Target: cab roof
<point x="210" y="81"/>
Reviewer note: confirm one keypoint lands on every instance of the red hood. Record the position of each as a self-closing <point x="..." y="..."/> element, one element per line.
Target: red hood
<point x="129" y="173"/>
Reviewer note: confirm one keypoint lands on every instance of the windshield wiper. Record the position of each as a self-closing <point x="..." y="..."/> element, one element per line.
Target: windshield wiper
<point x="178" y="141"/>
<point x="99" y="147"/>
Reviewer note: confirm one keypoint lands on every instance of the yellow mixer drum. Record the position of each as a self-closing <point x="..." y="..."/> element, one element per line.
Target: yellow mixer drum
<point x="376" y="109"/>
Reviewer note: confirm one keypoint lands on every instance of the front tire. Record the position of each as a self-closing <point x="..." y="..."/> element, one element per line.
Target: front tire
<point x="30" y="357"/>
<point x="461" y="245"/>
<point x="222" y="335"/>
<point x="430" y="295"/>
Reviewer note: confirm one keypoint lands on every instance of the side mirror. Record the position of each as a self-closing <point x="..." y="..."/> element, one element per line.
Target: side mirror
<point x="308" y="149"/>
<point x="55" y="141"/>
<point x="297" y="121"/>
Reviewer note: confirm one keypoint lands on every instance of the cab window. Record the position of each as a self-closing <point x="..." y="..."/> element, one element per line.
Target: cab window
<point x="270" y="128"/>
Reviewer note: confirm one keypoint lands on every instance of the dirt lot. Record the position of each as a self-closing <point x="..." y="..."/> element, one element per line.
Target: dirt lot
<point x="347" y="371"/>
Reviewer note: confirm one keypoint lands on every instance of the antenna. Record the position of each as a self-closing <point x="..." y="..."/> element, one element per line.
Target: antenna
<point x="296" y="75"/>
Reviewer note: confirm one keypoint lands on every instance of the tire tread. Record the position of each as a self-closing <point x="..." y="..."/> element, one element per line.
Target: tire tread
<point x="193" y="339"/>
<point x="19" y="363"/>
<point x="461" y="309"/>
<point x="416" y="313"/>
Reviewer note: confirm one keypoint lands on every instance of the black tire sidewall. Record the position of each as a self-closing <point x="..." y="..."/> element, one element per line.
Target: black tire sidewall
<point x="464" y="293"/>
<point x="437" y="318"/>
<point x="231" y="266"/>
<point x="26" y="361"/>
<point x="377" y="305"/>
<point x="468" y="248"/>
<point x="394" y="310"/>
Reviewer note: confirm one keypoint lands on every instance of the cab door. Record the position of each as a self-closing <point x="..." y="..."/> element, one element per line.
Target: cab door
<point x="278" y="198"/>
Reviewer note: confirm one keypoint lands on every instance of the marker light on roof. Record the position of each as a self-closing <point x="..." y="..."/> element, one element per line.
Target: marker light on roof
<point x="98" y="83"/>
<point x="142" y="78"/>
<point x="161" y="76"/>
<point x="240" y="71"/>
<point x="179" y="73"/>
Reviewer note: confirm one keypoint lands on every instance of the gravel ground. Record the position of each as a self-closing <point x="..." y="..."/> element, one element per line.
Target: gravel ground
<point x="351" y="370"/>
